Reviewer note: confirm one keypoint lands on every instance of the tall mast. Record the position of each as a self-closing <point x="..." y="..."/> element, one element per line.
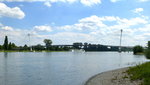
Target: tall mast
<point x="120" y="40"/>
<point x="29" y="42"/>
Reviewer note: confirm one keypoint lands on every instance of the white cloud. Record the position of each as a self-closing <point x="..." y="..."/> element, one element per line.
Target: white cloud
<point x="114" y="1"/>
<point x="138" y="10"/>
<point x="70" y="37"/>
<point x="94" y="29"/>
<point x="129" y="0"/>
<point x="104" y="33"/>
<point x="7" y="28"/>
<point x="132" y="21"/>
<point x="14" y="35"/>
<point x="49" y="2"/>
<point x="99" y="23"/>
<point x="84" y="2"/>
<point x="90" y="2"/>
<point x="15" y="12"/>
<point x="143" y="0"/>
<point x="89" y="23"/>
<point x="43" y="28"/>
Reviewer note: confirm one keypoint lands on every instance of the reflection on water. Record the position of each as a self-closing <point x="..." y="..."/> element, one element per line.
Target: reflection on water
<point x="60" y="68"/>
<point x="5" y="68"/>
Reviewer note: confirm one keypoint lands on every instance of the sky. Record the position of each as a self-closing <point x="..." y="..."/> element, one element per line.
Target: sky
<point x="68" y="21"/>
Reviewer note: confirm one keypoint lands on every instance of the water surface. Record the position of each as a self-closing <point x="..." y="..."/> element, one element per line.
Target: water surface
<point x="60" y="68"/>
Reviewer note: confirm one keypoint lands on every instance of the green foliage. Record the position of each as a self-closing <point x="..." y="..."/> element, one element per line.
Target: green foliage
<point x="5" y="45"/>
<point x="25" y="47"/>
<point x="38" y="47"/>
<point x="138" y="49"/>
<point x="148" y="44"/>
<point x="13" y="45"/>
<point x="147" y="53"/>
<point x="1" y="47"/>
<point x="9" y="46"/>
<point x="140" y="72"/>
<point x="56" y="48"/>
<point x="48" y="43"/>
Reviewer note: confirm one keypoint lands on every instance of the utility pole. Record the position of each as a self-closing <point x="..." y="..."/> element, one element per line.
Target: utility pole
<point x="120" y="40"/>
<point x="29" y="42"/>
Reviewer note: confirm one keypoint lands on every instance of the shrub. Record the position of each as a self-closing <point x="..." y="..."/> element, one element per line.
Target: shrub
<point x="147" y="54"/>
<point x="138" y="49"/>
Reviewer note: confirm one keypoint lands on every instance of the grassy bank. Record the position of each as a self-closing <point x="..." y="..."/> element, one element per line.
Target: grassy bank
<point x="140" y="72"/>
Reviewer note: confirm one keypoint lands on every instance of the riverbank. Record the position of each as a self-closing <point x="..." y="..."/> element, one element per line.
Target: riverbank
<point x="114" y="77"/>
<point x="29" y="51"/>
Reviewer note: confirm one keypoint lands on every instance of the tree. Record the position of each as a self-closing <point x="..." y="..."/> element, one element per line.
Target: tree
<point x="66" y="48"/>
<point x="25" y="47"/>
<point x="147" y="51"/>
<point x="5" y="45"/>
<point x="148" y="44"/>
<point x="9" y="46"/>
<point x="48" y="43"/>
<point x="13" y="45"/>
<point x="77" y="45"/>
<point x="85" y="45"/>
<point x="138" y="49"/>
<point x="1" y="47"/>
<point x="38" y="47"/>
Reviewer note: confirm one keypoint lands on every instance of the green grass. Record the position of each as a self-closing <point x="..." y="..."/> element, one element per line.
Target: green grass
<point x="140" y="72"/>
<point x="141" y="53"/>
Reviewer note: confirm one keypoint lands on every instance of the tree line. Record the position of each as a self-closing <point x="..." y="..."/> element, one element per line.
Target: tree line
<point x="47" y="47"/>
<point x="7" y="45"/>
<point x="142" y="50"/>
<point x="98" y="47"/>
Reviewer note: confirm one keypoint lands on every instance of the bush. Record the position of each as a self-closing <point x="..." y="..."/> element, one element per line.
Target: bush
<point x="147" y="51"/>
<point x="147" y="54"/>
<point x="138" y="49"/>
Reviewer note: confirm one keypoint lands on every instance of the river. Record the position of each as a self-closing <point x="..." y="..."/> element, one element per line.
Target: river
<point x="60" y="68"/>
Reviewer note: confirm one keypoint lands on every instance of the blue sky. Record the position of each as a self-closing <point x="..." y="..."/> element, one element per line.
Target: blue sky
<point x="68" y="21"/>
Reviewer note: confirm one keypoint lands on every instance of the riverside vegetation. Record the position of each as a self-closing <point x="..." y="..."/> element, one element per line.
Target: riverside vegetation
<point x="8" y="46"/>
<point x="142" y="71"/>
<point x="11" y="47"/>
<point x="138" y="50"/>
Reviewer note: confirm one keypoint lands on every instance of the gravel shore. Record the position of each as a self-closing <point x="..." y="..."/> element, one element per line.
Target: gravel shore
<point x="114" y="77"/>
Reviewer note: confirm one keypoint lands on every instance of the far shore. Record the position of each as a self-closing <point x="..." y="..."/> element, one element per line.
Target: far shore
<point x="114" y="77"/>
<point x="28" y="51"/>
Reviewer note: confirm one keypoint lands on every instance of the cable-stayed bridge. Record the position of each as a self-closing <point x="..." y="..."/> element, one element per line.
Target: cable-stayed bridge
<point x="96" y="47"/>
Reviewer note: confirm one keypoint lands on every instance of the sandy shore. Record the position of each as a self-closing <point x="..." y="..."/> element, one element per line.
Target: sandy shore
<point x="114" y="77"/>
